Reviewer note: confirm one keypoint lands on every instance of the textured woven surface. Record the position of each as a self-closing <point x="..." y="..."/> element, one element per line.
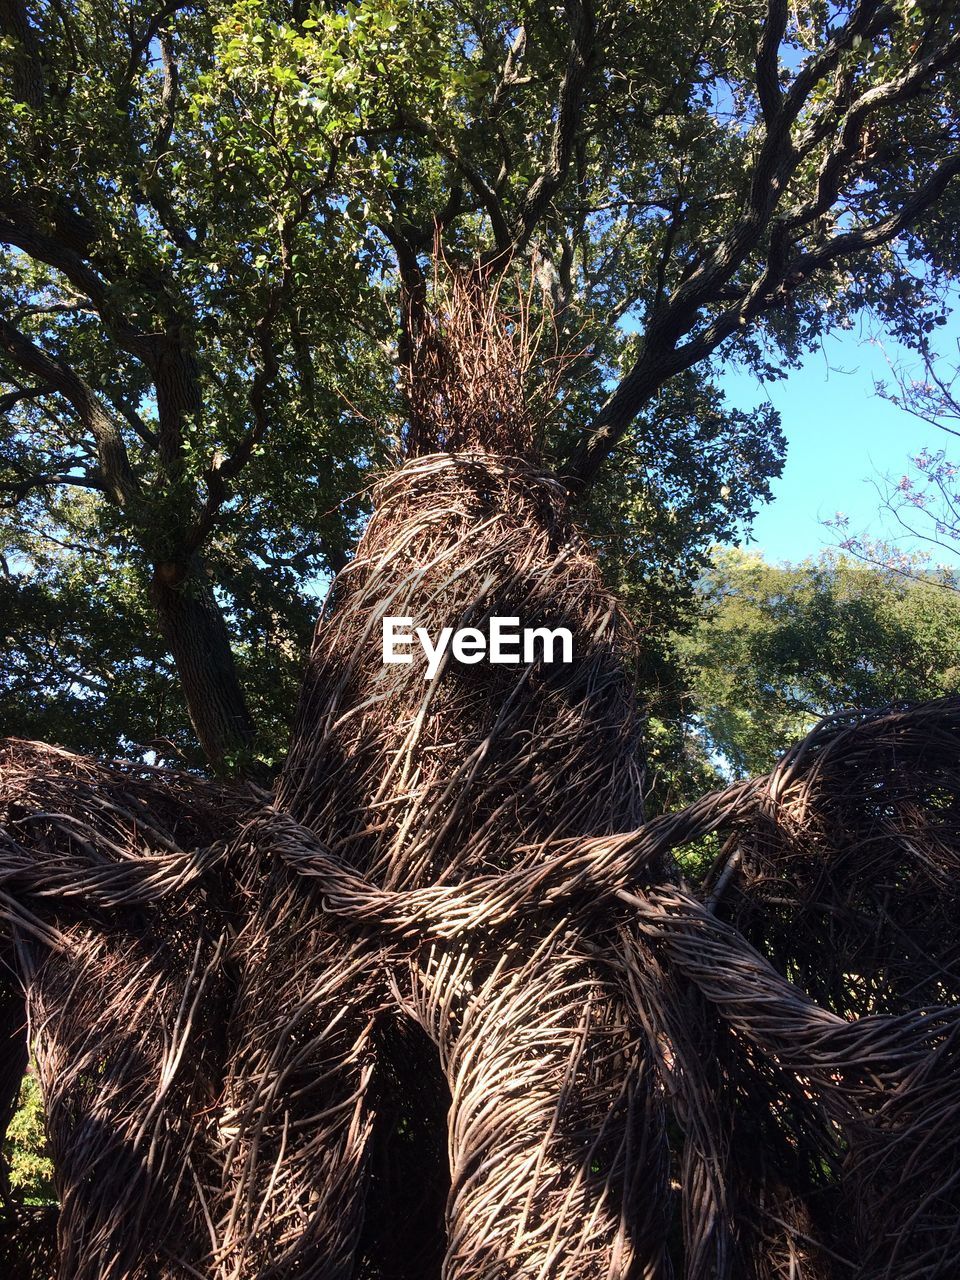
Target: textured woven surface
<point x="442" y="1005"/>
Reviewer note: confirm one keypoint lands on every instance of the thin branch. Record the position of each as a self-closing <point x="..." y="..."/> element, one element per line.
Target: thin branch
<point x="119" y="482"/>
<point x="10" y="399"/>
<point x="486" y="195"/>
<point x="142" y="43"/>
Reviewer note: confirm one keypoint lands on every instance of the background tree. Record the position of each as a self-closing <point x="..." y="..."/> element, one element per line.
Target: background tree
<point x="81" y="660"/>
<point x="780" y="648"/>
<point x="219" y="220"/>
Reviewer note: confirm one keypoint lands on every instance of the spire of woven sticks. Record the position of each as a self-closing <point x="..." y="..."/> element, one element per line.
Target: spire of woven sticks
<point x="484" y="364"/>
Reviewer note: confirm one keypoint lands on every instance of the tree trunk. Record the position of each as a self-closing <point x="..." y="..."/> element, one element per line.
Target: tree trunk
<point x="193" y="626"/>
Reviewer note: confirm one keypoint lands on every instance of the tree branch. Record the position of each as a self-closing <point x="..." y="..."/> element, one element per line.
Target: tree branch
<point x="914" y="205"/>
<point x="768" y="60"/>
<point x="18" y="489"/>
<point x="18" y="228"/>
<point x="543" y="188"/>
<point x="487" y="196"/>
<point x="224" y="469"/>
<point x="28" y="79"/>
<point x="912" y="82"/>
<point x="142" y="43"/>
<point x="10" y="399"/>
<point x="710" y="282"/>
<point x="168" y="96"/>
<point x="119" y="482"/>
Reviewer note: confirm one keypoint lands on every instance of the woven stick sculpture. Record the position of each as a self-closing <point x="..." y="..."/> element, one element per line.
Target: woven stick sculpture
<point x="442" y="1007"/>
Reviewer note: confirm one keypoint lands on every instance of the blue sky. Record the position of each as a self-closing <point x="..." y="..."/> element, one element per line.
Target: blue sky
<point x="841" y="435"/>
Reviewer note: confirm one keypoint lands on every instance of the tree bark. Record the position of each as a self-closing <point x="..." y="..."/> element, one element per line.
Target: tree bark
<point x="193" y="626"/>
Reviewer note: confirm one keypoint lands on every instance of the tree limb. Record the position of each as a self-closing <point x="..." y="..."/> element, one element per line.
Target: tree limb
<point x="580" y="18"/>
<point x="768" y="60"/>
<point x="168" y="96"/>
<point x="119" y="483"/>
<point x="142" y="43"/>
<point x="487" y="196"/>
<point x="18" y="489"/>
<point x="10" y="399"/>
<point x="712" y="280"/>
<point x="19" y="228"/>
<point x="28" y="78"/>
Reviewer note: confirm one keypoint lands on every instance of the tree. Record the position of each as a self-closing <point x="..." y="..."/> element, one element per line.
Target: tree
<point x="925" y="500"/>
<point x="30" y="1168"/>
<point x="253" y="177"/>
<point x="81" y="662"/>
<point x="780" y="648"/>
<point x="440" y="1003"/>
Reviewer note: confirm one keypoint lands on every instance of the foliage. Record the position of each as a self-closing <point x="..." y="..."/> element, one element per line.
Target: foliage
<point x="25" y="1147"/>
<point x="81" y="663"/>
<point x="780" y="647"/>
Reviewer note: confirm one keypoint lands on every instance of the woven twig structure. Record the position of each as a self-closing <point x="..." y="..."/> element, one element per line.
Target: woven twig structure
<point x="442" y="1004"/>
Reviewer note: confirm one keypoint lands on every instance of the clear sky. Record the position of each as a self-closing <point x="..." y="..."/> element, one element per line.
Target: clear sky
<point x="841" y="435"/>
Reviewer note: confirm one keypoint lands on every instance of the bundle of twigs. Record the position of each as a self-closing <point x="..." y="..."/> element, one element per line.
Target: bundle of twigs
<point x="442" y="1005"/>
<point x="114" y="935"/>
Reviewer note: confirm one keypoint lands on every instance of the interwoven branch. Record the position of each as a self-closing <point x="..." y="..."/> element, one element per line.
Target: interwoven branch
<point x="441" y="1006"/>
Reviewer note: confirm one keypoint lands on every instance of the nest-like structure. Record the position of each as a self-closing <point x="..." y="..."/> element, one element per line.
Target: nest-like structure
<point x="443" y="1006"/>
